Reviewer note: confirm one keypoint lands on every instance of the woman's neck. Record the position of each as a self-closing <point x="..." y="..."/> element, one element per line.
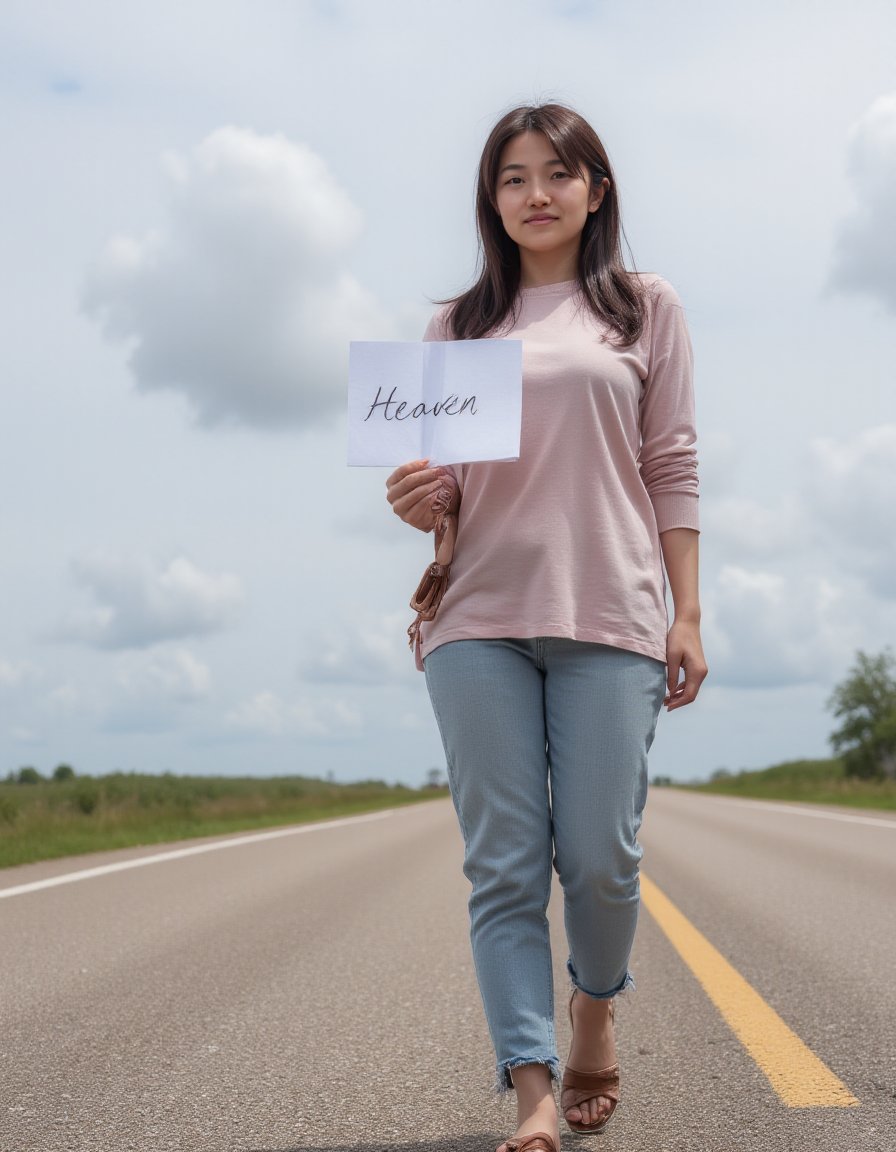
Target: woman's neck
<point x="538" y="269"/>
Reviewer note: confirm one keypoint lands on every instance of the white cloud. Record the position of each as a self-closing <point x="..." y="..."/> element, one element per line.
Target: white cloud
<point x="262" y="712"/>
<point x="242" y="301"/>
<point x="151" y="692"/>
<point x="361" y="650"/>
<point x="23" y="735"/>
<point x="12" y="675"/>
<point x="742" y="528"/>
<point x="268" y="714"/>
<point x="136" y="607"/>
<point x="767" y="628"/>
<point x="856" y="495"/>
<point x="175" y="676"/>
<point x="865" y="245"/>
<point x="65" y="699"/>
<point x="794" y="587"/>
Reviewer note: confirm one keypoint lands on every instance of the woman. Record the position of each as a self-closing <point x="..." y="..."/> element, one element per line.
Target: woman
<point x="550" y="654"/>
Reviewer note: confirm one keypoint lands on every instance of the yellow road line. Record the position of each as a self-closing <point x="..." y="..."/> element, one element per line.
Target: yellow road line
<point x="796" y="1073"/>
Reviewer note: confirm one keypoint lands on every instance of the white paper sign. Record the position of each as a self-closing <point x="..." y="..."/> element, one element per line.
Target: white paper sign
<point x="450" y="401"/>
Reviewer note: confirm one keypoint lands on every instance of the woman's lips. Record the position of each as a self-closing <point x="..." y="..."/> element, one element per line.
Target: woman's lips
<point x="541" y="219"/>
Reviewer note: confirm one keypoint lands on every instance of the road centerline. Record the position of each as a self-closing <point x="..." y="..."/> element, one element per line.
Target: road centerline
<point x="798" y="1076"/>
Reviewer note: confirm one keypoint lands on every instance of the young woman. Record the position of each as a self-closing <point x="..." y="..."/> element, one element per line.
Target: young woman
<point x="550" y="655"/>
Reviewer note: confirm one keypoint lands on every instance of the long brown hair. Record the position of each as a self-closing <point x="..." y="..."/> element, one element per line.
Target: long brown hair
<point x="613" y="294"/>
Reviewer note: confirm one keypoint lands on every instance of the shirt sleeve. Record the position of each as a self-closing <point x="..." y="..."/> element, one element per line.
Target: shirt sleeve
<point x="668" y="456"/>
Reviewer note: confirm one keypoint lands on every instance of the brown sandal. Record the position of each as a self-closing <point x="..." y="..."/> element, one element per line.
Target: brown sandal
<point x="534" y="1142"/>
<point x="586" y="1085"/>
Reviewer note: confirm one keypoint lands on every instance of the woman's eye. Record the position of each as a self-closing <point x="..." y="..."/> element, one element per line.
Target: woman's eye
<point x="513" y="180"/>
<point x="562" y="175"/>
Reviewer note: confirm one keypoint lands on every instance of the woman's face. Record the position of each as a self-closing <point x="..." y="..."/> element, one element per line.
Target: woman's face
<point x="542" y="204"/>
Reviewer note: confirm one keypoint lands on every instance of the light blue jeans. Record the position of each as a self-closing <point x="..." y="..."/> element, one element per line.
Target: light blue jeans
<point x="546" y="744"/>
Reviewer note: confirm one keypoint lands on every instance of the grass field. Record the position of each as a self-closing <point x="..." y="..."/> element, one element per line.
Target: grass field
<point x="815" y="781"/>
<point x="47" y="819"/>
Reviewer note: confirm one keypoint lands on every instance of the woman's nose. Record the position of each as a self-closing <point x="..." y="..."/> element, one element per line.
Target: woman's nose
<point x="538" y="195"/>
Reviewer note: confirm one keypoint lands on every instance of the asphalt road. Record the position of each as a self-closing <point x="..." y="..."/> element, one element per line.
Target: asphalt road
<point x="315" y="991"/>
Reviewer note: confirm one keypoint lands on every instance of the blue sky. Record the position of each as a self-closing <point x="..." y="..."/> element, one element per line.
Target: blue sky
<point x="205" y="202"/>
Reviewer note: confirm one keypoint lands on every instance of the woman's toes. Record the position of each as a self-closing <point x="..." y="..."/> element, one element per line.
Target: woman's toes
<point x="573" y="1112"/>
<point x="591" y="1111"/>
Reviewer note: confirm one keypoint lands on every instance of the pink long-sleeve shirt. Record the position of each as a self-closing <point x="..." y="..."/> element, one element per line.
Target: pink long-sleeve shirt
<point x="565" y="540"/>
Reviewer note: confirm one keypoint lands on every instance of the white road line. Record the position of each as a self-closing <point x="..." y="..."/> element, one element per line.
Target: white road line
<point x="774" y="806"/>
<point x="193" y="850"/>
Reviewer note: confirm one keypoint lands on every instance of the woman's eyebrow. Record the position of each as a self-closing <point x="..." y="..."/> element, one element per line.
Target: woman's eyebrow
<point x="522" y="167"/>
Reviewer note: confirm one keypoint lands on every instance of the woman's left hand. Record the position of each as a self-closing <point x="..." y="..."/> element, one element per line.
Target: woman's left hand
<point x="684" y="653"/>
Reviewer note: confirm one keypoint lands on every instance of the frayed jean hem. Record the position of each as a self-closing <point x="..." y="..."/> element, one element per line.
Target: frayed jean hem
<point x="627" y="985"/>
<point x="503" y="1080"/>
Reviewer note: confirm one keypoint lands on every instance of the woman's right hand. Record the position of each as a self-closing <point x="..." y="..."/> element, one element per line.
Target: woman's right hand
<point x="413" y="489"/>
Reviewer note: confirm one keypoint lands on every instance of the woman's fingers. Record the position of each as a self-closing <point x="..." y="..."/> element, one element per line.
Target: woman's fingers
<point x="684" y="654"/>
<point x="416" y="508"/>
<point x="406" y="498"/>
<point x="686" y="691"/>
<point x="408" y="477"/>
<point x="402" y="504"/>
<point x="409" y="490"/>
<point x="404" y="471"/>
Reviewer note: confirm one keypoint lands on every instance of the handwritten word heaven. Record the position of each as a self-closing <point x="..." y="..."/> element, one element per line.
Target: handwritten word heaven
<point x="446" y="407"/>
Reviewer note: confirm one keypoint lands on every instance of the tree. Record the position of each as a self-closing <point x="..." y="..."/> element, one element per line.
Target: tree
<point x="866" y="703"/>
<point x="63" y="772"/>
<point x="28" y="775"/>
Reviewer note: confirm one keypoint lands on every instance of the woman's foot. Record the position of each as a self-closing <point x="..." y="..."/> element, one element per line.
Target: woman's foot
<point x="536" y="1109"/>
<point x="593" y="1049"/>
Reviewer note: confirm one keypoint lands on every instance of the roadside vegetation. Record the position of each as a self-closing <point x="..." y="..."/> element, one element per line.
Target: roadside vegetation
<point x="68" y="813"/>
<point x="863" y="774"/>
<point x="812" y="781"/>
<point x="42" y="818"/>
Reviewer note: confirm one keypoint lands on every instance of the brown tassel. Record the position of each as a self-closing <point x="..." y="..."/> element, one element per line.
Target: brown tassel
<point x="426" y="600"/>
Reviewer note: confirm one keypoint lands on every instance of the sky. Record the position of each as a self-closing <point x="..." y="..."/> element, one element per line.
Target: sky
<point x="204" y="203"/>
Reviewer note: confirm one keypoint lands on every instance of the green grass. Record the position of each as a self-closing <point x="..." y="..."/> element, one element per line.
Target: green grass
<point x="814" y="781"/>
<point x="48" y="819"/>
